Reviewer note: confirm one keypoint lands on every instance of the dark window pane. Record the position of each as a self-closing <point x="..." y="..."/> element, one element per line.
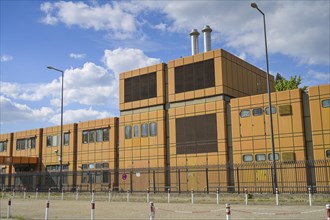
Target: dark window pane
<point x="248" y="158"/>
<point x="179" y="79"/>
<point x="128" y="89"/>
<point x="144" y="130"/>
<point x="189" y="77"/>
<point x="91" y="136"/>
<point x="106" y="134"/>
<point x="260" y="157"/>
<point x="66" y="138"/>
<point x="153" y="129"/>
<point x="152" y="85"/>
<point x="270" y="156"/>
<point x="326" y="103"/>
<point x="327" y="153"/>
<point x="49" y="141"/>
<point x="85" y="137"/>
<point x="144" y="83"/>
<point x="128" y="132"/>
<point x="197" y="134"/>
<point x="257" y="111"/>
<point x="99" y="135"/>
<point x="209" y="74"/>
<point x="273" y="110"/>
<point x="136" y="88"/>
<point x="33" y="143"/>
<point x="136" y="131"/>
<point x="199" y="75"/>
<point x="244" y="113"/>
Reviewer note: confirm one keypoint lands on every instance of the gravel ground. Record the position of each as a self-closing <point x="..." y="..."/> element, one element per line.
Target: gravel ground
<point x="119" y="208"/>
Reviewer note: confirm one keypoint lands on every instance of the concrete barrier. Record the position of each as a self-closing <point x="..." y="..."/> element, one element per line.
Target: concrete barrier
<point x="47" y="210"/>
<point x="228" y="211"/>
<point x="152" y="211"/>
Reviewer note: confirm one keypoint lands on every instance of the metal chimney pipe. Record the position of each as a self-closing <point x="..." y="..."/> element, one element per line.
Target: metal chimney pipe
<point x="194" y="41"/>
<point x="207" y="38"/>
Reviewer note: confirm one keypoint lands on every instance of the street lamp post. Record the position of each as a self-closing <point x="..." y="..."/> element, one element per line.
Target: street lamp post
<point x="254" y="5"/>
<point x="61" y="136"/>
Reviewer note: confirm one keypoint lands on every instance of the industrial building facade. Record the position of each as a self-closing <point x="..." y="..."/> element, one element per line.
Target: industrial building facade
<point x="200" y="122"/>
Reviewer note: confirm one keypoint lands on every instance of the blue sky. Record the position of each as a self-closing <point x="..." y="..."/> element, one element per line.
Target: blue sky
<point x="93" y="41"/>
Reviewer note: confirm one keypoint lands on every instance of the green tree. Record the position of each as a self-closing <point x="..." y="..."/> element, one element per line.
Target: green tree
<point x="282" y="84"/>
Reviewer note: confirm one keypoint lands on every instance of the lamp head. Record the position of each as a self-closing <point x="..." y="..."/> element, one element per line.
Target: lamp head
<point x="50" y="67"/>
<point x="254" y="5"/>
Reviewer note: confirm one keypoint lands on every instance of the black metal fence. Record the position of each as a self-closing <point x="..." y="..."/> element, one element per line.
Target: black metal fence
<point x="292" y="177"/>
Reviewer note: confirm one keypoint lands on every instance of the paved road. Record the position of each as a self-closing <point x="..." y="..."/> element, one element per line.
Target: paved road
<point x="71" y="209"/>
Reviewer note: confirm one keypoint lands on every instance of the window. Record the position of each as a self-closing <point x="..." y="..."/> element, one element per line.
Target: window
<point x="194" y="76"/>
<point x="91" y="136"/>
<point x="153" y="129"/>
<point x="99" y="135"/>
<point x="247" y="158"/>
<point x="144" y="130"/>
<point x="326" y="103"/>
<point x="257" y="111"/>
<point x="26" y="143"/>
<point x="285" y="110"/>
<point x="273" y="110"/>
<point x="105" y="175"/>
<point x="85" y="137"/>
<point x="270" y="157"/>
<point x="327" y="153"/>
<point x="49" y="141"/>
<point x="66" y="138"/>
<point x="98" y="166"/>
<point x="260" y="157"/>
<point x="196" y="134"/>
<point x="106" y="134"/>
<point x="84" y="166"/>
<point x="3" y="146"/>
<point x="33" y="143"/>
<point x="136" y="131"/>
<point x="54" y="140"/>
<point x="245" y="113"/>
<point x="128" y="132"/>
<point x="140" y="87"/>
<point x="106" y="165"/>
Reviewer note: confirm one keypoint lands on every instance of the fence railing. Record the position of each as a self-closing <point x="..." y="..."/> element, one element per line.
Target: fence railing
<point x="293" y="177"/>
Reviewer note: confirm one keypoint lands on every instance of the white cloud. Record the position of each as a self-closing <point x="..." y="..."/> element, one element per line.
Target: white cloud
<point x="6" y="58"/>
<point x="12" y="111"/>
<point x="77" y="55"/>
<point x="161" y="26"/>
<point x="298" y="29"/>
<point x="111" y="17"/>
<point x="74" y="116"/>
<point x="124" y="59"/>
<point x="322" y="78"/>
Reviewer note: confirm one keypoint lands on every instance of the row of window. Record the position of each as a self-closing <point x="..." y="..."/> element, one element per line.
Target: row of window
<point x="96" y="135"/>
<point x="260" y="157"/>
<point x="54" y="140"/>
<point x="26" y="143"/>
<point x="284" y="110"/>
<point x="3" y="146"/>
<point x="152" y="131"/>
<point x="92" y="166"/>
<point x="57" y="167"/>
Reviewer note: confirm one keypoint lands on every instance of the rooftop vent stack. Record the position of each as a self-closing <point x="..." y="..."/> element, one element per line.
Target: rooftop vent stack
<point x="207" y="38"/>
<point x="194" y="41"/>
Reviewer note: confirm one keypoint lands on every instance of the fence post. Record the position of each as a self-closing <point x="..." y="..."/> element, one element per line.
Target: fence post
<point x="238" y="185"/>
<point x="154" y="179"/>
<point x="49" y="194"/>
<point x="148" y="194"/>
<point x="2" y="193"/>
<point x="207" y="180"/>
<point x="192" y="196"/>
<point x="62" y="194"/>
<point x="37" y="193"/>
<point x="93" y="210"/>
<point x="109" y="195"/>
<point x="127" y="195"/>
<point x="246" y="196"/>
<point x="168" y="195"/>
<point x="228" y="211"/>
<point x="152" y="211"/>
<point x="276" y="195"/>
<point x="310" y="196"/>
<point x="9" y="208"/>
<point x="328" y="211"/>
<point x="47" y="209"/>
<point x="13" y="193"/>
<point x="217" y="196"/>
<point x="179" y="180"/>
<point x="77" y="193"/>
<point x="93" y="195"/>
